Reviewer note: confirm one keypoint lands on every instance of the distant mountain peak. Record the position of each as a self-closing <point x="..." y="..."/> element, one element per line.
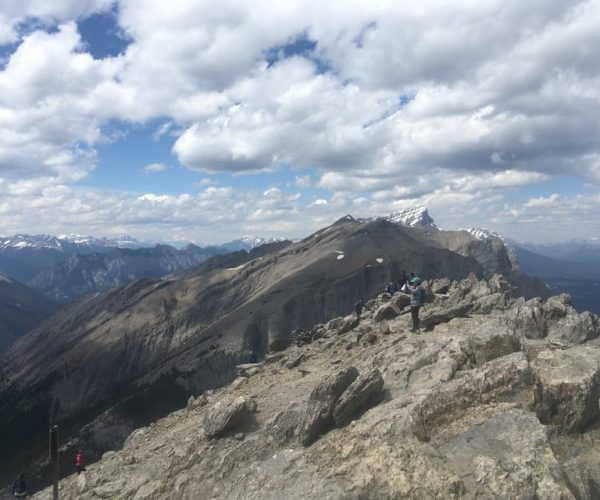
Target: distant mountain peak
<point x="248" y="242"/>
<point x="482" y="233"/>
<point x="38" y="241"/>
<point x="415" y="216"/>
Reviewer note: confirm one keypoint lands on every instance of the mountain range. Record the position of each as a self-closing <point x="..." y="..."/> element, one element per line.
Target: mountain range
<point x="66" y="267"/>
<point x="130" y="354"/>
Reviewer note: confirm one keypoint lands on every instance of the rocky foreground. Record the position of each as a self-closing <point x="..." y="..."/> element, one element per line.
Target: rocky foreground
<point x="496" y="398"/>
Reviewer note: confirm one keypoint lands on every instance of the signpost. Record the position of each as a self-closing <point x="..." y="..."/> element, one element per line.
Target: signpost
<point x="54" y="459"/>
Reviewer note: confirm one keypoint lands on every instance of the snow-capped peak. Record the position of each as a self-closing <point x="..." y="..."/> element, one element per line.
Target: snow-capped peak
<point x="65" y="242"/>
<point x="415" y="216"/>
<point x="248" y="242"/>
<point x="482" y="233"/>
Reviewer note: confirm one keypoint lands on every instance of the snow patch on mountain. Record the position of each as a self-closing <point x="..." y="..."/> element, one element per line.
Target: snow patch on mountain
<point x="248" y="242"/>
<point x="66" y="241"/>
<point x="482" y="233"/>
<point x="415" y="216"/>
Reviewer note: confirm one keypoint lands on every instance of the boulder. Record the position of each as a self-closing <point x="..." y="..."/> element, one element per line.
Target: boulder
<point x="360" y="395"/>
<point x="321" y="403"/>
<point x="574" y="328"/>
<point x="492" y="340"/>
<point x="190" y="402"/>
<point x="558" y="306"/>
<point x="491" y="458"/>
<point x="445" y="315"/>
<point x="499" y="284"/>
<point x="489" y="303"/>
<point x="223" y="417"/>
<point x="495" y="380"/>
<point x="335" y="323"/>
<point x="350" y="322"/>
<point x="386" y="311"/>
<point x="567" y="387"/>
<point x="528" y="319"/>
<point x="401" y="300"/>
<point x="440" y="286"/>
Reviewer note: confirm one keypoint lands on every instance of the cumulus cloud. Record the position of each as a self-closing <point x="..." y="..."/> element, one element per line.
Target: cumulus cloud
<point x="391" y="103"/>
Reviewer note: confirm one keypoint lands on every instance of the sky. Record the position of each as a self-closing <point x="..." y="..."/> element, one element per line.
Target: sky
<point x="203" y="120"/>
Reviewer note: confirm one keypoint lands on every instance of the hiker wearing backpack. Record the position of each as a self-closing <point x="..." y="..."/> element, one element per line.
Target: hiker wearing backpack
<point x="19" y="489"/>
<point x="417" y="298"/>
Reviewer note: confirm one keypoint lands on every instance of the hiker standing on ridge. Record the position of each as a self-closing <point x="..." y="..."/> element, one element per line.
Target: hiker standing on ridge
<point x="19" y="489"/>
<point x="402" y="281"/>
<point x="359" y="306"/>
<point x="79" y="462"/>
<point x="417" y="297"/>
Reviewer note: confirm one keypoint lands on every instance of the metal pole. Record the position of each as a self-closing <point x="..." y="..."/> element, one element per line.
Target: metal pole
<point x="54" y="459"/>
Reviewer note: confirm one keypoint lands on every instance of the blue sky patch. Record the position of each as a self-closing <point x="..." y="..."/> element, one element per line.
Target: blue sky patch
<point x="300" y="46"/>
<point x="102" y="36"/>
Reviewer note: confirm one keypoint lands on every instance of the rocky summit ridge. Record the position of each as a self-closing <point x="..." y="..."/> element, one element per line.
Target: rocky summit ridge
<point x="496" y="398"/>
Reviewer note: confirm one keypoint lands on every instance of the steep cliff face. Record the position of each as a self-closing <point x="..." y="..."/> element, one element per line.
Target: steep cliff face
<point x="496" y="397"/>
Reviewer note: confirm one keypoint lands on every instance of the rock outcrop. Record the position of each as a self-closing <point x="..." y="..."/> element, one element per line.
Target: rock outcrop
<point x="499" y="399"/>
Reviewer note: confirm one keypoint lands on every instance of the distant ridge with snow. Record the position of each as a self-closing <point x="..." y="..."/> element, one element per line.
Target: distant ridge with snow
<point x="65" y="242"/>
<point x="482" y="233"/>
<point x="248" y="242"/>
<point x="415" y="216"/>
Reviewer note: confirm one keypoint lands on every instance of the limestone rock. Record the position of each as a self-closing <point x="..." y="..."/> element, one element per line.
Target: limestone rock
<point x="573" y="328"/>
<point x="445" y="315"/>
<point x="335" y="323"/>
<point x="349" y="323"/>
<point x="528" y="319"/>
<point x="507" y="456"/>
<point x="321" y="403"/>
<point x="401" y="300"/>
<point x="223" y="417"/>
<point x="386" y="311"/>
<point x="359" y="395"/>
<point x="568" y="387"/>
<point x="440" y="286"/>
<point x="284" y="427"/>
<point x="492" y="340"/>
<point x="190" y="402"/>
<point x="495" y="380"/>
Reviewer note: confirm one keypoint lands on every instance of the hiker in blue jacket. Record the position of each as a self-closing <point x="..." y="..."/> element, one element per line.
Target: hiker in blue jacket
<point x="417" y="297"/>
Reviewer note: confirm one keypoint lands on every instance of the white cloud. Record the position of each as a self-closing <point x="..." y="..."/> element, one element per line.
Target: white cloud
<point x="153" y="168"/>
<point x="425" y="101"/>
<point x="302" y="181"/>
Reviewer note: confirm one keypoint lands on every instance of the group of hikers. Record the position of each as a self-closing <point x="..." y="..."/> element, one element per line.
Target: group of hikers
<point x="19" y="489"/>
<point x="410" y="284"/>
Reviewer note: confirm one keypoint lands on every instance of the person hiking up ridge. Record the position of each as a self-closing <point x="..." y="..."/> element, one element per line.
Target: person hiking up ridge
<point x="19" y="489"/>
<point x="79" y="462"/>
<point x="417" y="297"/>
<point x="359" y="306"/>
